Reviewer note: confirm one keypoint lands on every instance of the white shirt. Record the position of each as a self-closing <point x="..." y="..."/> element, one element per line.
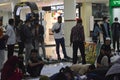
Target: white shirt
<point x="11" y="33"/>
<point x="59" y="34"/>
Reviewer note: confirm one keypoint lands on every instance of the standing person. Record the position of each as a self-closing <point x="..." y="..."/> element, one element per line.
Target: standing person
<point x="39" y="38"/>
<point x="115" y="28"/>
<point x="11" y="37"/>
<point x="3" y="39"/>
<point x="96" y="32"/>
<point x="57" y="29"/>
<point x="18" y="38"/>
<point x="105" y="28"/>
<point x="35" y="64"/>
<point x="27" y="37"/>
<point x="77" y="37"/>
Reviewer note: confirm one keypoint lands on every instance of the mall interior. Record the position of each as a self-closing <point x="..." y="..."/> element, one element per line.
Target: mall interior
<point x="48" y="10"/>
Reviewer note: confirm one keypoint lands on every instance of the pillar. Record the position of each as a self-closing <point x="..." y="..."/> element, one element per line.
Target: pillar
<point x="69" y="18"/>
<point x="86" y="13"/>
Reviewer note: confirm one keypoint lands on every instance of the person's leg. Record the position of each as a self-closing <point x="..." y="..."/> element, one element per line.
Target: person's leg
<point x="113" y="43"/>
<point x="2" y="58"/>
<point x="10" y="50"/>
<point x="118" y="44"/>
<point x="62" y="42"/>
<point x="28" y="47"/>
<point x="30" y="70"/>
<point x="82" y="51"/>
<point x="57" y="48"/>
<point x="39" y="68"/>
<point x="37" y="46"/>
<point x="21" y="48"/>
<point x="43" y="49"/>
<point x="75" y="49"/>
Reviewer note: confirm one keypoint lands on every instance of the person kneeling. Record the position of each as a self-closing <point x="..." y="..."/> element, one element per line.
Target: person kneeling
<point x="35" y="64"/>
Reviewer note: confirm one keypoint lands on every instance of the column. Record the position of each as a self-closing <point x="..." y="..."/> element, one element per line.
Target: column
<point x="86" y="13"/>
<point x="69" y="18"/>
<point x="13" y="3"/>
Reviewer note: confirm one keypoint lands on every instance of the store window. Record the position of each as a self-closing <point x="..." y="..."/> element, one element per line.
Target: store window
<point x="99" y="10"/>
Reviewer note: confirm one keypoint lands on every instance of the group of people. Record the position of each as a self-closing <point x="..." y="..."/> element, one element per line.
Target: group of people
<point x="108" y="31"/>
<point x="28" y="36"/>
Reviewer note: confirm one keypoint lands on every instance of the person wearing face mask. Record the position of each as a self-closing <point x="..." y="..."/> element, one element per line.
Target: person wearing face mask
<point x="57" y="29"/>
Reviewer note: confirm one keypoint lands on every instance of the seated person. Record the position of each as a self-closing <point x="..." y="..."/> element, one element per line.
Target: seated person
<point x="103" y="59"/>
<point x="35" y="64"/>
<point x="10" y="70"/>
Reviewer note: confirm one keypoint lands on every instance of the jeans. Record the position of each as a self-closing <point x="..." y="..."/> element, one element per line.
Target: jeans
<point x="42" y="45"/>
<point x="61" y="42"/>
<point x="28" y="48"/>
<point x="10" y="49"/>
<point x="80" y="45"/>
<point x="21" y="48"/>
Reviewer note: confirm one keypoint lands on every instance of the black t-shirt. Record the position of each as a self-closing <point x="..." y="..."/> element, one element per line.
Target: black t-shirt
<point x="37" y="59"/>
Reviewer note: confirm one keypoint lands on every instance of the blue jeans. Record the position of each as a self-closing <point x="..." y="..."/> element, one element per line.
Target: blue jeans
<point x="61" y="42"/>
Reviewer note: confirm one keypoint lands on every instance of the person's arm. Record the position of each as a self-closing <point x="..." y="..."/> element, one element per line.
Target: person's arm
<point x="71" y="36"/>
<point x="35" y="64"/>
<point x="8" y="32"/>
<point x="53" y="28"/>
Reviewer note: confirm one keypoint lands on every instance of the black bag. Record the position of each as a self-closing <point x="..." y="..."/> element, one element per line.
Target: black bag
<point x="58" y="30"/>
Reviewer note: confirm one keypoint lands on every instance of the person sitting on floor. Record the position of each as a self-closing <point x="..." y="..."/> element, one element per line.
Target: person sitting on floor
<point x="10" y="69"/>
<point x="103" y="59"/>
<point x="35" y="64"/>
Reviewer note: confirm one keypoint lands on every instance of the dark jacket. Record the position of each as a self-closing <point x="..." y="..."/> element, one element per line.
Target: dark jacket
<point x="115" y="28"/>
<point x="27" y="34"/>
<point x="103" y="30"/>
<point x="77" y="33"/>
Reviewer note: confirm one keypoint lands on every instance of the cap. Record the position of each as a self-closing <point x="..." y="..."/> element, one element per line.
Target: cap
<point x="79" y="20"/>
<point x="108" y="38"/>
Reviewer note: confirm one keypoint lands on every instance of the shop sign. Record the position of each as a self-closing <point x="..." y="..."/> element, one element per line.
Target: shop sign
<point x="58" y="7"/>
<point x="115" y="3"/>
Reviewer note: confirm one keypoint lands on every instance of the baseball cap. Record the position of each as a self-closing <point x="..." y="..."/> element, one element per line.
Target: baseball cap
<point x="108" y="38"/>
